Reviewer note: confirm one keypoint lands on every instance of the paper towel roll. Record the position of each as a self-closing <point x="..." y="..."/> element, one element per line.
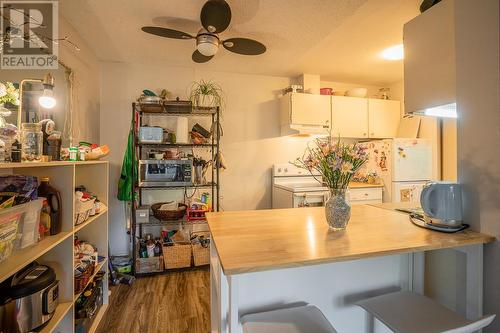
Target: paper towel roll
<point x="181" y="132"/>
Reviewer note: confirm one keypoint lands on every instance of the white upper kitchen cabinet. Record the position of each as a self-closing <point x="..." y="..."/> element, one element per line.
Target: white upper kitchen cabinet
<point x="383" y="118"/>
<point x="305" y="113"/>
<point x="349" y="117"/>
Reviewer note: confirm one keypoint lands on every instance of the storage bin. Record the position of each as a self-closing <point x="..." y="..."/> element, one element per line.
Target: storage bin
<point x="122" y="264"/>
<point x="201" y="250"/>
<point x="177" y="255"/>
<point x="28" y="228"/>
<point x="149" y="265"/>
<point x="148" y="134"/>
<point x="82" y="210"/>
<point x="9" y="223"/>
<point x="19" y="227"/>
<point x="196" y="214"/>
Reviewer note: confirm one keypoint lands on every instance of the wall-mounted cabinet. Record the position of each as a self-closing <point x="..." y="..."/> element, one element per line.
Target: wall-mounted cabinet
<point x="350" y="117"/>
<point x="305" y="114"/>
<point x="383" y="118"/>
<point x="354" y="117"/>
<point x="430" y="59"/>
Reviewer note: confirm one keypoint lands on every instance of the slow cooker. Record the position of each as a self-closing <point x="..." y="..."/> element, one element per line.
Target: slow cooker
<point x="28" y="299"/>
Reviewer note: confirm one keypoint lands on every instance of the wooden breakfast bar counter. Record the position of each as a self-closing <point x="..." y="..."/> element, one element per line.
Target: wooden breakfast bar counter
<point x="265" y="259"/>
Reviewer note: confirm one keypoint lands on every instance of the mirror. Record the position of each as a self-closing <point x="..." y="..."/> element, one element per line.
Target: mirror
<point x="31" y="109"/>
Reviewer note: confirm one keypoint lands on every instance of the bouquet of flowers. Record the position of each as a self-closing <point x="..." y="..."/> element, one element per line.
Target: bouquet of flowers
<point x="9" y="93"/>
<point x="335" y="161"/>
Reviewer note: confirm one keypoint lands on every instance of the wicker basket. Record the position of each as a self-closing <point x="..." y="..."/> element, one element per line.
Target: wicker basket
<point x="201" y="252"/>
<point x="166" y="215"/>
<point x="177" y="255"/>
<point x="81" y="280"/>
<point x="149" y="265"/>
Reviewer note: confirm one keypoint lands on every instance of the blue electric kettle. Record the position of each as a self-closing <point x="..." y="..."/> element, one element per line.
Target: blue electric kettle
<point x="442" y="204"/>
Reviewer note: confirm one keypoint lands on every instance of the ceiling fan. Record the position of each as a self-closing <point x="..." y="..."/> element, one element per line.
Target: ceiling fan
<point x="215" y="18"/>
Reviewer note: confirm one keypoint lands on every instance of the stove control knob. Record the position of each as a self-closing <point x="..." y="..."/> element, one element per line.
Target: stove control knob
<point x="286" y="169"/>
<point x="279" y="170"/>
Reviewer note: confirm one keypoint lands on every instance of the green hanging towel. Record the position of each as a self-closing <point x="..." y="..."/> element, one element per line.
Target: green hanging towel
<point x="126" y="177"/>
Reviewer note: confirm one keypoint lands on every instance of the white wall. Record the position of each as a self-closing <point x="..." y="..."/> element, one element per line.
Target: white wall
<point x="87" y="68"/>
<point x="251" y="143"/>
<point x="478" y="132"/>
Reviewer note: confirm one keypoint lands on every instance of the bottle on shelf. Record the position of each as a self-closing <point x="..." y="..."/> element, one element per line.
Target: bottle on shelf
<point x="15" y="153"/>
<point x="53" y="206"/>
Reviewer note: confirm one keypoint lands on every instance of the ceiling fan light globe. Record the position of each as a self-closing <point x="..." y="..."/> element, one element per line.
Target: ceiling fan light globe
<point x="207" y="49"/>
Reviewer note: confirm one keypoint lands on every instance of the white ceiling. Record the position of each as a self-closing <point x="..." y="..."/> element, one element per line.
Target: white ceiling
<point x="338" y="39"/>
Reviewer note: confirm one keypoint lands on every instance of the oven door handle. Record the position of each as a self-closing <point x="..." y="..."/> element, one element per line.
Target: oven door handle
<point x="308" y="196"/>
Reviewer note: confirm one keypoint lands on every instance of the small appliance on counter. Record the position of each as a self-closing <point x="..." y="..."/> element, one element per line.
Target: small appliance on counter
<point x="165" y="172"/>
<point x="28" y="299"/>
<point x="441" y="207"/>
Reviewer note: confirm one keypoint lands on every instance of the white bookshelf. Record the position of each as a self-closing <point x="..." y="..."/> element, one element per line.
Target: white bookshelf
<point x="57" y="251"/>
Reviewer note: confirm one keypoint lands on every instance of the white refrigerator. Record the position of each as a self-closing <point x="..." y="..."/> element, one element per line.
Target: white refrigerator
<point x="403" y="165"/>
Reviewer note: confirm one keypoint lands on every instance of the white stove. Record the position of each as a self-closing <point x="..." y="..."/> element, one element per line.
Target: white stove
<point x="295" y="187"/>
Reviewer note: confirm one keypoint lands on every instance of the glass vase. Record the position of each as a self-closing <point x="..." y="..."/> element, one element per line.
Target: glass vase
<point x="338" y="209"/>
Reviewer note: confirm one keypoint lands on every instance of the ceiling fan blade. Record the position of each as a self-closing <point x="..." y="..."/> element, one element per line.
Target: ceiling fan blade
<point x="244" y="46"/>
<point x="200" y="58"/>
<point x="165" y="32"/>
<point x="215" y="16"/>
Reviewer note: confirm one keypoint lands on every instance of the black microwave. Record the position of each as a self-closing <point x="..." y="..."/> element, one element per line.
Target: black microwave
<point x="165" y="172"/>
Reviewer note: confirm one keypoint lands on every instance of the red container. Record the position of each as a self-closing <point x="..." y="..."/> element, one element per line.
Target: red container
<point x="326" y="91"/>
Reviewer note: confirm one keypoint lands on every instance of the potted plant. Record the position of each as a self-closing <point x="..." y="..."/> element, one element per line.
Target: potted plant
<point x="336" y="162"/>
<point x="206" y="94"/>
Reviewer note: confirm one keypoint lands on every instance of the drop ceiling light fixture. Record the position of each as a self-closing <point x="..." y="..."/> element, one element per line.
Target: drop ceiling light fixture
<point x="393" y="53"/>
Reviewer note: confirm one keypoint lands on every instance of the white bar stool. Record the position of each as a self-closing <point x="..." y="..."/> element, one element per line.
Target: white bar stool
<point x="300" y="319"/>
<point x="407" y="312"/>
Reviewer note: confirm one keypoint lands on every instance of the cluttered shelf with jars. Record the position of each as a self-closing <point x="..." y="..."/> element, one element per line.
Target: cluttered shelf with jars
<point x="55" y="236"/>
<point x="178" y="160"/>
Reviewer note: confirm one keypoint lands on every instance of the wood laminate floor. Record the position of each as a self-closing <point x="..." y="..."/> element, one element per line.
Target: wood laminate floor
<point x="176" y="302"/>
